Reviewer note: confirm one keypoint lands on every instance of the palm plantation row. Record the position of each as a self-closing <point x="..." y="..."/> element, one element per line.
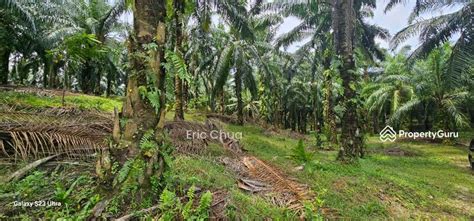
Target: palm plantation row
<point x="225" y="57"/>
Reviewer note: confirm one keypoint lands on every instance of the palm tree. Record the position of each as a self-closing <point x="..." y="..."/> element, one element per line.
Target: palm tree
<point x="438" y="92"/>
<point x="43" y="27"/>
<point x="389" y="91"/>
<point x="343" y="18"/>
<point x="316" y="24"/>
<point x="101" y="19"/>
<point x="138" y="140"/>
<point x="244" y="51"/>
<point x="24" y="27"/>
<point x="5" y="52"/>
<point x="235" y="58"/>
<point x="436" y="30"/>
<point x="179" y="18"/>
<point x="299" y="104"/>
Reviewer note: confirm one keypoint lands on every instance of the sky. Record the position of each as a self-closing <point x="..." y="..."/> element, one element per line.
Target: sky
<point x="394" y="20"/>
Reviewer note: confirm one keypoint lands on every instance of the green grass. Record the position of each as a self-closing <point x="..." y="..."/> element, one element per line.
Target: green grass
<point x="435" y="183"/>
<point x="205" y="172"/>
<point x="49" y="185"/>
<point x="202" y="172"/>
<point x="189" y="115"/>
<point x="81" y="101"/>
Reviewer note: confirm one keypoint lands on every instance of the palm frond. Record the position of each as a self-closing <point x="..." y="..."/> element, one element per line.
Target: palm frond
<point x="112" y="16"/>
<point x="236" y="14"/>
<point x="403" y="110"/>
<point x="298" y="33"/>
<point x="19" y="10"/>
<point x="28" y="135"/>
<point x="459" y="119"/>
<point x="462" y="55"/>
<point x="423" y="6"/>
<point x="223" y="68"/>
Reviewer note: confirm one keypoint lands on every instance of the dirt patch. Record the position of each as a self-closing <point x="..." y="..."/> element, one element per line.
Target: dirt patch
<point x="220" y="200"/>
<point x="340" y="184"/>
<point x="397" y="151"/>
<point x="273" y="131"/>
<point x="394" y="206"/>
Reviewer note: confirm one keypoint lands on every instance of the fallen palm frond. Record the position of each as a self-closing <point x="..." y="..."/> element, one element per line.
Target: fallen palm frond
<point x="36" y="91"/>
<point x="253" y="185"/>
<point x="284" y="192"/>
<point x="27" y="135"/>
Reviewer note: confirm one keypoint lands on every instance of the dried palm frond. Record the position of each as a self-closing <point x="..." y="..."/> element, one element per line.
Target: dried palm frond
<point x="285" y="192"/>
<point x="27" y="135"/>
<point x="179" y="133"/>
<point x="81" y="124"/>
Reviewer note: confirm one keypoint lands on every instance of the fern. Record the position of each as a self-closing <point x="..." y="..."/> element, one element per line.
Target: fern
<point x="154" y="98"/>
<point x="123" y="173"/>
<point x="147" y="142"/>
<point x="202" y="212"/>
<point x="168" y="202"/>
<point x="187" y="209"/>
<point x="171" y="206"/>
<point x="178" y="64"/>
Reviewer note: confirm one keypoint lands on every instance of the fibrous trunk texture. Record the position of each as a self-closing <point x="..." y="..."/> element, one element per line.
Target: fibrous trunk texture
<point x="4" y="59"/>
<point x="343" y="25"/>
<point x="179" y="8"/>
<point x="238" y="93"/>
<point x="137" y="132"/>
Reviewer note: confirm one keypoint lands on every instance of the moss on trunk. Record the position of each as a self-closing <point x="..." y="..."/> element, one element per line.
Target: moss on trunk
<point x="344" y="25"/>
<point x="137" y="156"/>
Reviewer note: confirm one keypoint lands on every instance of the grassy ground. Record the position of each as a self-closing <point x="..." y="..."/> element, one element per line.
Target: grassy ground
<point x="81" y="101"/>
<point x="435" y="182"/>
<point x="429" y="181"/>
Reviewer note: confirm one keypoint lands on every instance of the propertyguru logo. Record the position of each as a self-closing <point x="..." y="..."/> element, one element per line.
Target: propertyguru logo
<point x="388" y="134"/>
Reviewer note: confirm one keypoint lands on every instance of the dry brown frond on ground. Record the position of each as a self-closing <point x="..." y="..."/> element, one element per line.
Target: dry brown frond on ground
<point x="35" y="135"/>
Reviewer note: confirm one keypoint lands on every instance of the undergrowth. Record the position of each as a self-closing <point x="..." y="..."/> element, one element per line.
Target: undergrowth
<point x="80" y="101"/>
<point x="434" y="183"/>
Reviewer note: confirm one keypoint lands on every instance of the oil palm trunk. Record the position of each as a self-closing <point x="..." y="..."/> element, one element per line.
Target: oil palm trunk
<point x="4" y="59"/>
<point x="178" y="82"/>
<point x="138" y="131"/>
<point x="330" y="116"/>
<point x="238" y="94"/>
<point x="343" y="25"/>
